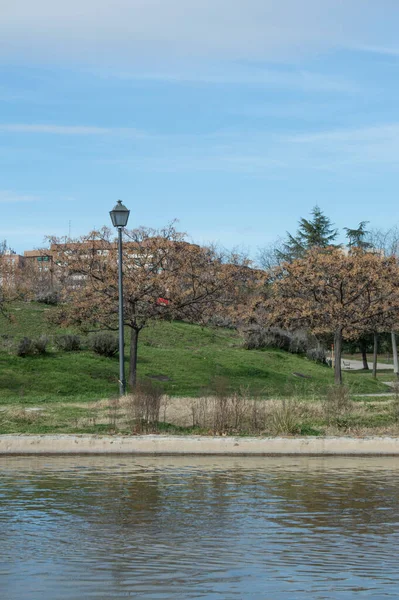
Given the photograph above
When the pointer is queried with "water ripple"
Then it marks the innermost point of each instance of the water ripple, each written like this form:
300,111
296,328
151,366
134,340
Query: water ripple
103,528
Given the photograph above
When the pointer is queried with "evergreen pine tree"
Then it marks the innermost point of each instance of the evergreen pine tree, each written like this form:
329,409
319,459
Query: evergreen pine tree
357,237
315,232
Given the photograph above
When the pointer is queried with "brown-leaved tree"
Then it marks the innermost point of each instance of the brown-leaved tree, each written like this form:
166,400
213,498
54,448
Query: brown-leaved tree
331,292
164,278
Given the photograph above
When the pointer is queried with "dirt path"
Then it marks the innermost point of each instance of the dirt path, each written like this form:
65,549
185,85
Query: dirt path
357,365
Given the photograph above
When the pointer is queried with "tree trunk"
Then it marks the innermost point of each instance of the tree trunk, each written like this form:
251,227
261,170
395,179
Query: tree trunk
337,356
364,356
134,338
395,354
375,354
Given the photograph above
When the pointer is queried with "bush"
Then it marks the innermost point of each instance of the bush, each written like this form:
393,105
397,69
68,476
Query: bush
40,345
144,406
50,297
317,354
257,338
226,414
29,347
220,321
284,418
295,342
299,343
337,405
68,343
25,347
104,344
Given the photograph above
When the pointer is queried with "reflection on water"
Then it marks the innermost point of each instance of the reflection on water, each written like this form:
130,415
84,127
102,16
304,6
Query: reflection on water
134,527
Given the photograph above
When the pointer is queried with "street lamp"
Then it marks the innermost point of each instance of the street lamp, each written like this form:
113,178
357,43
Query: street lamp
119,217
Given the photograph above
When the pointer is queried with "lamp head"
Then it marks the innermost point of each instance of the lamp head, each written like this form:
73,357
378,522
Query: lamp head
119,215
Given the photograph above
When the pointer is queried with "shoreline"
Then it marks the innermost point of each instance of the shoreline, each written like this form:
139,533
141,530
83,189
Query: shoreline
164,445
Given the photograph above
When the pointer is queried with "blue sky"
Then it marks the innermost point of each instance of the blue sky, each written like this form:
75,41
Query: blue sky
234,117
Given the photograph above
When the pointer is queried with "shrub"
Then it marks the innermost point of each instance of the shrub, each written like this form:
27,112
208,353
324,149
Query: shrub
296,342
114,410
25,347
50,297
68,343
222,413
257,337
40,345
317,354
242,410
337,405
144,406
199,408
29,347
284,418
104,343
220,321
299,343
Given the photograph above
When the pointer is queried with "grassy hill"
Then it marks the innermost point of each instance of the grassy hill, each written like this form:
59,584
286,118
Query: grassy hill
186,360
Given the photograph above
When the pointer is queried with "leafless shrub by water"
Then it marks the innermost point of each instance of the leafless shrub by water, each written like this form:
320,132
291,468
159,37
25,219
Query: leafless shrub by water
221,411
284,418
94,414
337,405
232,412
143,407
240,408
229,414
200,412
236,413
259,415
113,412
165,402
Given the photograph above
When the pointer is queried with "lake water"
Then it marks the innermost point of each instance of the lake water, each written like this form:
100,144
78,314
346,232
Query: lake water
184,528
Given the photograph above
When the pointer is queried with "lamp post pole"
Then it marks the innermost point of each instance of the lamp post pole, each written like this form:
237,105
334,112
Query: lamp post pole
122,380
119,218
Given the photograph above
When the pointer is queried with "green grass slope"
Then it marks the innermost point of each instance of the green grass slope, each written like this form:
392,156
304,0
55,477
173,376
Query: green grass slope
186,359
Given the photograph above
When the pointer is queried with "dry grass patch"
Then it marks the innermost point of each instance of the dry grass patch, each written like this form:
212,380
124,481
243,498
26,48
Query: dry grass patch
21,415
223,413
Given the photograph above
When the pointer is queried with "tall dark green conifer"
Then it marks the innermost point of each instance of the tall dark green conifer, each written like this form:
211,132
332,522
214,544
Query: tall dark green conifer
315,232
357,237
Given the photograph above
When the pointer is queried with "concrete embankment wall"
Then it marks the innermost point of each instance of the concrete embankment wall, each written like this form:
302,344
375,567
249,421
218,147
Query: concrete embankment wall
195,445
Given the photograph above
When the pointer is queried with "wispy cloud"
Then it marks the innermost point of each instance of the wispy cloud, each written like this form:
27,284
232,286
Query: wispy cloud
244,75
10,197
68,129
372,147
273,154
385,50
306,109
217,162
358,135
138,31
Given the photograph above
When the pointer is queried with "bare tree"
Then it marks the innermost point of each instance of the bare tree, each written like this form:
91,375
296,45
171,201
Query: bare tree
385,240
269,257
